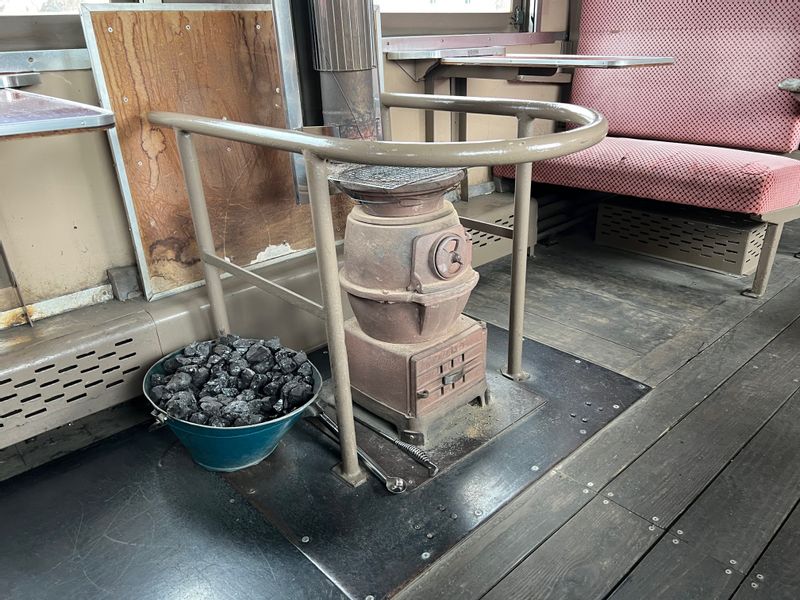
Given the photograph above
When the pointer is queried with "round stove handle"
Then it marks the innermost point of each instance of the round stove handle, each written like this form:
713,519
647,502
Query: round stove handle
446,256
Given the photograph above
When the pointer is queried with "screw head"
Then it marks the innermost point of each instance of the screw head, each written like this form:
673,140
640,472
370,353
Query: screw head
454,516
584,420
733,562
425,555
610,494
652,527
655,519
305,539
754,585
588,403
760,577
442,507
582,432
417,526
577,362
585,490
188,27
679,532
535,468
258,25
728,571
478,513
110,30
429,536
616,406
605,501
369,597
675,541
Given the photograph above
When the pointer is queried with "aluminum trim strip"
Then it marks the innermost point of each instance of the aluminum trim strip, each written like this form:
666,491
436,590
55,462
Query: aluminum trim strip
559,60
469,40
76,59
96,118
18,80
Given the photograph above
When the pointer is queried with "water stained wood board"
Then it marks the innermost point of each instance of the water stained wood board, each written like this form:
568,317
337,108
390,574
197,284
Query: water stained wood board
212,61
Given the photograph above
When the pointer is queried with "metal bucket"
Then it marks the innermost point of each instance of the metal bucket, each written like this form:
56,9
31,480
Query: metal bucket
227,448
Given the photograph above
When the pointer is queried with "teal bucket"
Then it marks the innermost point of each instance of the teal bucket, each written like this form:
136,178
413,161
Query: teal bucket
227,448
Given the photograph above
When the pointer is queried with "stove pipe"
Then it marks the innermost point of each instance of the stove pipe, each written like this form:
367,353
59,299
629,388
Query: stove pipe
345,56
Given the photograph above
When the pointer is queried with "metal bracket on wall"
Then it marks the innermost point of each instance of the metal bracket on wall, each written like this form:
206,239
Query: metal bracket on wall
75,59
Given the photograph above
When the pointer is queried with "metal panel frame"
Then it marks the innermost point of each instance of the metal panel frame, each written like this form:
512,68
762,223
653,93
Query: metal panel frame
280,10
24,61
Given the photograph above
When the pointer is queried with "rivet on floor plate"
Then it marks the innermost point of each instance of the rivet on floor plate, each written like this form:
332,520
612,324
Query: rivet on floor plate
600,408
418,526
370,597
582,432
754,585
652,528
588,403
760,577
610,494
442,507
616,406
675,541
573,415
232,500
728,571
429,536
251,491
641,386
535,468
585,490
590,484
478,513
584,420
655,519
733,562
605,501
577,362
425,555
679,532
305,539
454,516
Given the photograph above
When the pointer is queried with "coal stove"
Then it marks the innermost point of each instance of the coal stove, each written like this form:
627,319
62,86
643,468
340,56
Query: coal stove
414,358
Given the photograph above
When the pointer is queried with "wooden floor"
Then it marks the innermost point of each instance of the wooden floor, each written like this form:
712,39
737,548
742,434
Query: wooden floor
692,492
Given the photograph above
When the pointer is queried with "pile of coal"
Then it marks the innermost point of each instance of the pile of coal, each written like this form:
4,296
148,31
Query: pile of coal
233,381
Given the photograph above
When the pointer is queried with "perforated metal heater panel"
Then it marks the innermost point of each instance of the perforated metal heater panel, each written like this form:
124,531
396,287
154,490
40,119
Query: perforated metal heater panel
56,381
702,238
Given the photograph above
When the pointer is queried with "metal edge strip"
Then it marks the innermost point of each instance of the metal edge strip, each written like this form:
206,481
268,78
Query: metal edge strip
24,61
158,7
18,80
116,149
282,18
469,40
63,124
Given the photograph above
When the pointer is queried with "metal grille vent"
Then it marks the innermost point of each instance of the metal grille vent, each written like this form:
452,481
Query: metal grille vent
74,382
716,241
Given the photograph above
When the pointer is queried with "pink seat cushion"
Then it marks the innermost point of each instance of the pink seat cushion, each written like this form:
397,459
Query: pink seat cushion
709,176
722,90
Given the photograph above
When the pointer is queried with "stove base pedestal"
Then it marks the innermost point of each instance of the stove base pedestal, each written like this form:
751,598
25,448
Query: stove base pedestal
413,386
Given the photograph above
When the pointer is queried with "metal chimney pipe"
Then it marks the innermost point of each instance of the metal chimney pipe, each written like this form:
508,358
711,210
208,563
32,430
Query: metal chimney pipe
345,56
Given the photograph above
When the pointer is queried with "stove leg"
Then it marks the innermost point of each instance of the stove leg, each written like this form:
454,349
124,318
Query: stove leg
327,261
519,260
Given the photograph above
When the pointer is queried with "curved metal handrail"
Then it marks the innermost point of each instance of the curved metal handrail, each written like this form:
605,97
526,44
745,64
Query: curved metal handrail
522,151
592,128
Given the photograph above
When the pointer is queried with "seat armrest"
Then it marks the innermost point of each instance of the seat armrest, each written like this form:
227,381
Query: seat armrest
792,86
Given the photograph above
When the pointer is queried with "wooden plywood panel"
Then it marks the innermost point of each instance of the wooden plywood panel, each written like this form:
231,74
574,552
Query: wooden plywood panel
215,63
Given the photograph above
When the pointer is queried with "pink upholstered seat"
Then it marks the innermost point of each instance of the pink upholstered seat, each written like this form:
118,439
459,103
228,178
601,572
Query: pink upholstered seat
709,176
722,91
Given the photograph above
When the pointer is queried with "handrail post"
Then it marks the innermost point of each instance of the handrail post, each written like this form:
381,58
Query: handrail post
519,258
328,264
202,230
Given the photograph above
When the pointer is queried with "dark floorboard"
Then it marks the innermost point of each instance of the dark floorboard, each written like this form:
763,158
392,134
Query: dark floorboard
134,518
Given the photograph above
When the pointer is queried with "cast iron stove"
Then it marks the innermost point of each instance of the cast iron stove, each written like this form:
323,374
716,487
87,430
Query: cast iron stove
414,358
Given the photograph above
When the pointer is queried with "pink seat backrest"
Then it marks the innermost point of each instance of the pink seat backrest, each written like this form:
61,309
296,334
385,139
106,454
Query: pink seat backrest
730,56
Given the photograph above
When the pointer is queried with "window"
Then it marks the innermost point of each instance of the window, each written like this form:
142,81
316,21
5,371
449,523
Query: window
38,7
444,6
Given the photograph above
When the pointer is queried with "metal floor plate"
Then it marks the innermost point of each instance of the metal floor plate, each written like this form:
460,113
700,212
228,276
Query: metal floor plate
372,543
